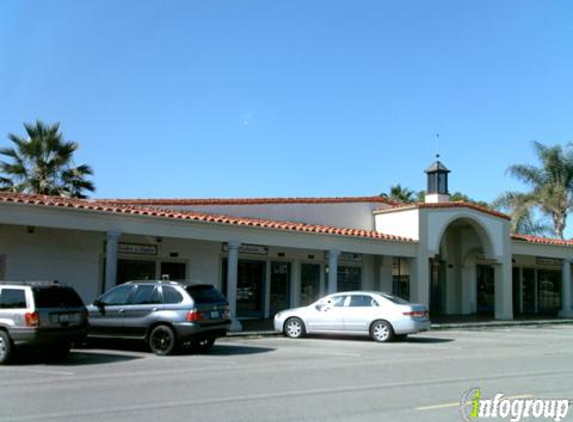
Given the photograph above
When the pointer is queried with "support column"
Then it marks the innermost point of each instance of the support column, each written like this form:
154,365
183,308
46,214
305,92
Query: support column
333,271
232,275
386,275
503,290
420,280
111,247
295,284
566,311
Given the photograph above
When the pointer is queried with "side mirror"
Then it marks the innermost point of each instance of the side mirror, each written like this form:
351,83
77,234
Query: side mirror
100,305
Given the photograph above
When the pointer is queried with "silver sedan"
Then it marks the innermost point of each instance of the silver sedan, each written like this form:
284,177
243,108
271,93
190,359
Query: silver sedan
379,315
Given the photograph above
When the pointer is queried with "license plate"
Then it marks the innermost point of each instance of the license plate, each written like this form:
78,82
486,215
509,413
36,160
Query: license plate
68,317
214,314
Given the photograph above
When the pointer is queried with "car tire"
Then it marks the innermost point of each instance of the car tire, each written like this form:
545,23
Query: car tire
381,331
162,340
203,345
294,328
6,347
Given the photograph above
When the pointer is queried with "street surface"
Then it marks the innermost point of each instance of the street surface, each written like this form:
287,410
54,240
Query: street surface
278,379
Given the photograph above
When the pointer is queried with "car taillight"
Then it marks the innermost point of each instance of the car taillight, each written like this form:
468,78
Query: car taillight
415,314
193,316
32,319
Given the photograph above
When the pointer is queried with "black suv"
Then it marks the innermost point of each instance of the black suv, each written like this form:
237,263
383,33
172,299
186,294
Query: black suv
164,314
37,313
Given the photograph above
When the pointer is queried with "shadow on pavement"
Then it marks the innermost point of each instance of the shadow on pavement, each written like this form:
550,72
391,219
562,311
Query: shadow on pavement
364,339
75,358
426,340
229,350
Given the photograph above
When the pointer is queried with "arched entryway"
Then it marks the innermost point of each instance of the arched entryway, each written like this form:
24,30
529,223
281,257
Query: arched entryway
462,273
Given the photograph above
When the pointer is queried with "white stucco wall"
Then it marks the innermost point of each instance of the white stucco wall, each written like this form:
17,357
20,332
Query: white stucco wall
356,215
404,223
69,256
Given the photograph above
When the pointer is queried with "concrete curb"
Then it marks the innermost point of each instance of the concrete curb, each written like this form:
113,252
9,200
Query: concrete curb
435,327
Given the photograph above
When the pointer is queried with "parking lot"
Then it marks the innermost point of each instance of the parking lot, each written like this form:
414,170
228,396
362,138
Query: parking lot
278,379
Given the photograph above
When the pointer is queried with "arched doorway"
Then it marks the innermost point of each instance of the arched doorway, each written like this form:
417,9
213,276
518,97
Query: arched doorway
461,273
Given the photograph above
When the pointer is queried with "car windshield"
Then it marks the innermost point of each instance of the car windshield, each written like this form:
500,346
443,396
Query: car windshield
205,294
56,297
395,299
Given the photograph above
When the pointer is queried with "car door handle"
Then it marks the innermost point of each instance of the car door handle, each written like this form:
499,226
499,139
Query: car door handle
121,311
154,309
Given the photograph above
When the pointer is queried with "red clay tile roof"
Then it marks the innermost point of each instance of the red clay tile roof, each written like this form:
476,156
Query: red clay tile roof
96,205
542,240
248,201
456,204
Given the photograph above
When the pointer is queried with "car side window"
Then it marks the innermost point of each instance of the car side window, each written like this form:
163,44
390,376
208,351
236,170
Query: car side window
118,296
362,301
146,294
337,301
171,295
13,299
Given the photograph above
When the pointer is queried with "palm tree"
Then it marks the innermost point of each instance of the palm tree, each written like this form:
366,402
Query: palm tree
42,163
521,208
551,184
400,194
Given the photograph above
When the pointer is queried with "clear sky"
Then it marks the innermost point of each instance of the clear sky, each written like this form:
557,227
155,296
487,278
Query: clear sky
289,98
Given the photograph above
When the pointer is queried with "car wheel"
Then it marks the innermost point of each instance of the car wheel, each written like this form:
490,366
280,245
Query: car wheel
294,328
162,340
5,347
203,345
381,331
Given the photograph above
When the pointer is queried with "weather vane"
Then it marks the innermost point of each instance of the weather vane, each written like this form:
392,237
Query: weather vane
438,146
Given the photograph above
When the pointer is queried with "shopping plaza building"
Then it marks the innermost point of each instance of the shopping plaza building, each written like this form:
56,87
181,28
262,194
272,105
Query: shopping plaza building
271,254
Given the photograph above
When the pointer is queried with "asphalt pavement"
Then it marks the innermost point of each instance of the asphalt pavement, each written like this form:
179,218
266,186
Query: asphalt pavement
277,379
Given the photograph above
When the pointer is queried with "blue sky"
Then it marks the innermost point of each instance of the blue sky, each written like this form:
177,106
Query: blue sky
290,98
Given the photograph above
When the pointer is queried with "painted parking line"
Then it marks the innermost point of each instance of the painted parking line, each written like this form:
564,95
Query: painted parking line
457,404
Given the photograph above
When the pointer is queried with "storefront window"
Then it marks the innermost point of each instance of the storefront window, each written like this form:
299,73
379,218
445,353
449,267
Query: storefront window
309,283
250,287
400,280
349,278
548,291
128,270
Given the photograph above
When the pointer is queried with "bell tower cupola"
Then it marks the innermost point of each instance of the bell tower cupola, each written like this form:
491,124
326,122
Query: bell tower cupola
437,191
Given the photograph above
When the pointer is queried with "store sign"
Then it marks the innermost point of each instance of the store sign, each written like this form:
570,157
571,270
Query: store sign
137,249
347,256
548,261
249,249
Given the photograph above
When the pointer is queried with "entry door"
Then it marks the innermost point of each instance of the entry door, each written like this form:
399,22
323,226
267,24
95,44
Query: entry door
280,287
485,289
437,286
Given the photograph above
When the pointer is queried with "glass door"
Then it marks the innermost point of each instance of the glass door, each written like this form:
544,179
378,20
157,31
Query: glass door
437,288
280,287
485,289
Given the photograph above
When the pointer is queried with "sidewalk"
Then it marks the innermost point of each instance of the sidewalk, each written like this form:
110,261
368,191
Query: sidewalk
264,327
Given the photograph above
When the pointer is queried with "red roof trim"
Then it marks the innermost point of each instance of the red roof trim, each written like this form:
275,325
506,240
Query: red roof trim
95,205
542,240
456,204
247,201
